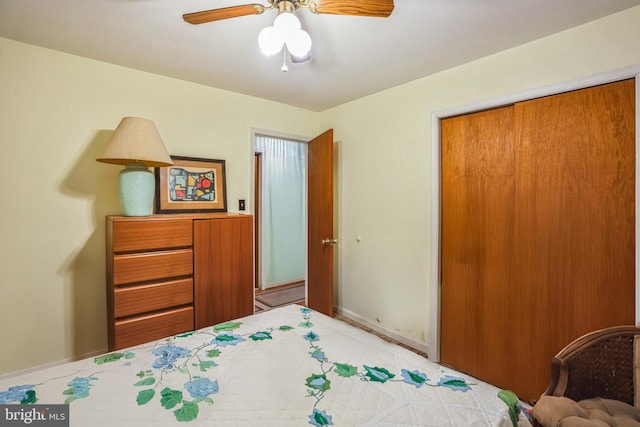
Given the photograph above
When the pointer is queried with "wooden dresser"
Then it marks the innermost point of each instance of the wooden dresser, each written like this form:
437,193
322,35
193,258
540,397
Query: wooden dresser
168,274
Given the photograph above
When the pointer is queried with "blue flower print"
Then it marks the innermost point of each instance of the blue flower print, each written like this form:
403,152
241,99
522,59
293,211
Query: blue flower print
201,387
81,385
312,336
261,336
376,374
169,354
454,383
320,418
226,339
78,388
415,378
15,394
318,355
318,382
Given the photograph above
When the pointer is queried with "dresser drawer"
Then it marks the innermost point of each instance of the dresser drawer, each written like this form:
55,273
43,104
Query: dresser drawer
132,236
151,327
148,266
131,300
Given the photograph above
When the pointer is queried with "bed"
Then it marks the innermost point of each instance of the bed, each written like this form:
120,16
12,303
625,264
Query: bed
289,366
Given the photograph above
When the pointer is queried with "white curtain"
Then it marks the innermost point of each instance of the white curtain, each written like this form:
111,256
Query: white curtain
283,210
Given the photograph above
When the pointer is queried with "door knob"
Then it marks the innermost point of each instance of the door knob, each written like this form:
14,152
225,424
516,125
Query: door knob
328,242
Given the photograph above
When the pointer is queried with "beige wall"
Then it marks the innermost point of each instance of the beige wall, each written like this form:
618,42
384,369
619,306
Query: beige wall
385,163
57,112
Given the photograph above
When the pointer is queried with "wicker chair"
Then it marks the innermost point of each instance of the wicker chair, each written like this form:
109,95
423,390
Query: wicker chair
599,365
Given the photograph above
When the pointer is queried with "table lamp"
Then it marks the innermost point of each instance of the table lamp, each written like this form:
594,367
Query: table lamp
137,145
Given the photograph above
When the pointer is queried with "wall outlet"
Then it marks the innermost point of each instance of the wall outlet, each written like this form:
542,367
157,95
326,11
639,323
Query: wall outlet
241,205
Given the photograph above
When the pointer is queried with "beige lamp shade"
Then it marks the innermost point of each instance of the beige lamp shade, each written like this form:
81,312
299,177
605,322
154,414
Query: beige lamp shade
136,140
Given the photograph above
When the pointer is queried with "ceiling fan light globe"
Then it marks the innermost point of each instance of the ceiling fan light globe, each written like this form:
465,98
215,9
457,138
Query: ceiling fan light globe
287,24
270,41
300,44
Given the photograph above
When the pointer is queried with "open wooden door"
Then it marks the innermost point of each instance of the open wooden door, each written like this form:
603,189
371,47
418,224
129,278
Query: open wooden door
320,239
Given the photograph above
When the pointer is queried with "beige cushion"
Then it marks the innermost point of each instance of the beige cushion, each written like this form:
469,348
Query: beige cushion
551,411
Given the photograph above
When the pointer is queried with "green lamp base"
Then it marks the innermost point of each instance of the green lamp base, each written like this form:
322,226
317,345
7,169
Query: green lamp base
137,188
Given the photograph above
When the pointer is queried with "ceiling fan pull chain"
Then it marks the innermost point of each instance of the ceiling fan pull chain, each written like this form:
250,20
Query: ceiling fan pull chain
284,60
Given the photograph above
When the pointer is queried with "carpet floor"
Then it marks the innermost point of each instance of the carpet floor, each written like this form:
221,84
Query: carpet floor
266,300
381,335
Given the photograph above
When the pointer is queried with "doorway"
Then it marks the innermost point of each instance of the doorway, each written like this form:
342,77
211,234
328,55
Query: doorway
318,219
280,220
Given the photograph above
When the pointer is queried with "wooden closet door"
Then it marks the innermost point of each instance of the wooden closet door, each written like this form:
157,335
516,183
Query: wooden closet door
478,187
575,222
568,233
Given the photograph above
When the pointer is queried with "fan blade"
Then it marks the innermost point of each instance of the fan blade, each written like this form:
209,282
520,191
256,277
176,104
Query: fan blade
223,13
375,8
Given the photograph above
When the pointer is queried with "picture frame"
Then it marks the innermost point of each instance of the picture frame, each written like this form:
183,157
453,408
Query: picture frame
191,184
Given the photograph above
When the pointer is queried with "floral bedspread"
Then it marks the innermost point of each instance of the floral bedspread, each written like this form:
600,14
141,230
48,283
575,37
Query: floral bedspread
285,367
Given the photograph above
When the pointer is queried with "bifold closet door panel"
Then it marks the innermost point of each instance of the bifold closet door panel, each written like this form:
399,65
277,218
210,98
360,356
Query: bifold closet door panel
478,186
575,227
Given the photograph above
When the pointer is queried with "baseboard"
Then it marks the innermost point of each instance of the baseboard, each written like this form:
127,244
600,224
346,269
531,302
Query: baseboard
50,365
347,313
381,329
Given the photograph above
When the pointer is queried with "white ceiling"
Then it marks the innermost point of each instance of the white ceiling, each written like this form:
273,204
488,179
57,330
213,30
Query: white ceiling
352,56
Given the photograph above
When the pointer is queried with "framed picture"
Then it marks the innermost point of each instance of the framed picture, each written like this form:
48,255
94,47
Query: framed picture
191,184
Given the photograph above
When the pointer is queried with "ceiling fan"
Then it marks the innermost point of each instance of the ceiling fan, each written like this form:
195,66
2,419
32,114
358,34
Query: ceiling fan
286,32
375,8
